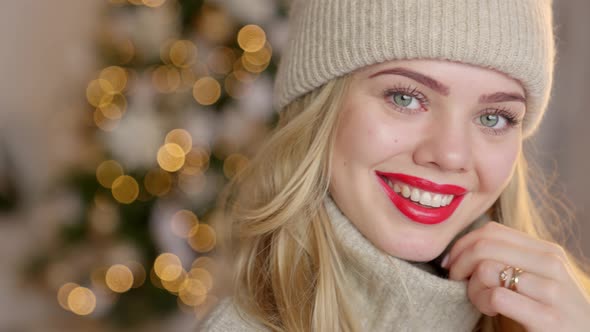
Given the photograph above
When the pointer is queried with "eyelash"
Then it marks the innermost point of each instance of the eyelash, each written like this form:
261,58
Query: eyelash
406,90
511,118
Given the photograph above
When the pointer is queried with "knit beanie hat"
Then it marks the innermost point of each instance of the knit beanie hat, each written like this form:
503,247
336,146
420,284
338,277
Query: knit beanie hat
330,38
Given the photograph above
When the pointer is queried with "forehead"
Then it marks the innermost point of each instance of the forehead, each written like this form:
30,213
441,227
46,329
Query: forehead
457,77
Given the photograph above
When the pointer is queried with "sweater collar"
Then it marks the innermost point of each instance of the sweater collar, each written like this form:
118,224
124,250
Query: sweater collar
396,295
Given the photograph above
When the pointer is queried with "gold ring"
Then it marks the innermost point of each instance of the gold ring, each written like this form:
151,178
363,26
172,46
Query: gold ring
514,280
504,275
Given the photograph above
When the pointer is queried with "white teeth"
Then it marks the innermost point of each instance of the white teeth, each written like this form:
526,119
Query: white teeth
425,199
447,200
415,195
406,192
436,200
421,196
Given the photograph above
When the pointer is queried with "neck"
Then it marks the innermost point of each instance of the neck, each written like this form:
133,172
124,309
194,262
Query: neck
394,294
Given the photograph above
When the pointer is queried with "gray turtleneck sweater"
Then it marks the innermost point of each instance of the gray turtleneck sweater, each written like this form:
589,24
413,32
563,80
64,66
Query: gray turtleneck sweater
392,294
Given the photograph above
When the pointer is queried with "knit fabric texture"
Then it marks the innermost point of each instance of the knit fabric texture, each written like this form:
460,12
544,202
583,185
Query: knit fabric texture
388,293
331,38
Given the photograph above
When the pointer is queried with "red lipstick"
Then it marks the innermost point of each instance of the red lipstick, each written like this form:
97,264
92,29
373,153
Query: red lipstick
414,211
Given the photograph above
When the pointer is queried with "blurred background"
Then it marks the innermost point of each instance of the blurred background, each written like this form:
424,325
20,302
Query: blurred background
121,121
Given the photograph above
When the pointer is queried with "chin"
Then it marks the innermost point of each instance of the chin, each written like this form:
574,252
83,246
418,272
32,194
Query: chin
416,252
425,257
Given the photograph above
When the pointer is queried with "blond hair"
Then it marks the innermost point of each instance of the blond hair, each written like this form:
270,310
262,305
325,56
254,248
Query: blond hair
288,265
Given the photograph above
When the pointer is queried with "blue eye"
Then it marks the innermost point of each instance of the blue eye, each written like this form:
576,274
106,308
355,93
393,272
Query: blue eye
498,121
406,101
490,120
405,98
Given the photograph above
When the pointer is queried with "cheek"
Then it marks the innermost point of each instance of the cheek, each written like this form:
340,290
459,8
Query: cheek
497,166
365,136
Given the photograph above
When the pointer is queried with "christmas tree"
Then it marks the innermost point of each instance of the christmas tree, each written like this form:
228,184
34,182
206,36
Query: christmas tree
180,104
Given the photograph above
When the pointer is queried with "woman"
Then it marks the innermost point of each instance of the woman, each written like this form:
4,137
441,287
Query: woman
393,195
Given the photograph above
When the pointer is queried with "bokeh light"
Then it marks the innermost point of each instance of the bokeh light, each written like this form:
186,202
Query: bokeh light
117,78
119,278
204,239
203,275
125,189
107,172
206,91
116,108
157,182
184,223
171,157
253,68
155,280
257,62
251,38
99,92
242,74
165,51
63,293
193,292
180,137
110,112
174,286
260,57
103,122
81,301
183,53
168,267
196,161
204,262
206,56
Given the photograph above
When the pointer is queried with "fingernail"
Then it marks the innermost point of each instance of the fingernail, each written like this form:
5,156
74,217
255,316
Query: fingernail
445,261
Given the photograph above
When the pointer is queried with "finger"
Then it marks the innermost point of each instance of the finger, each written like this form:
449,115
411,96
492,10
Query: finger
546,265
496,231
546,291
475,288
532,315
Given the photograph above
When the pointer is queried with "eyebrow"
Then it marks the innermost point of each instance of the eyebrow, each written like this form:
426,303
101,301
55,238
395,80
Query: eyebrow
444,90
416,76
500,97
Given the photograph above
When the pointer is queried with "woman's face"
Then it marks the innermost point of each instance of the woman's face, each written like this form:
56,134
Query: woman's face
444,134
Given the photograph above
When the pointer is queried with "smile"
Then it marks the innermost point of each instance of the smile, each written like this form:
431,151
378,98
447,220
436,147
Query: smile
420,200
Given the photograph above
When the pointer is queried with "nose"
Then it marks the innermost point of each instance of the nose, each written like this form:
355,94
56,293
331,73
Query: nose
447,145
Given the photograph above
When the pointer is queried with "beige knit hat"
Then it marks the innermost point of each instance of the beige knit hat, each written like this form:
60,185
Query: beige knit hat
330,38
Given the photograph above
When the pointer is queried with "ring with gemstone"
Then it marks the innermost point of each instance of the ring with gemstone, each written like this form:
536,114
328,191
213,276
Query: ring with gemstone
504,275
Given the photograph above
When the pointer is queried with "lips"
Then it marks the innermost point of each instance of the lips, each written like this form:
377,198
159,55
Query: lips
414,211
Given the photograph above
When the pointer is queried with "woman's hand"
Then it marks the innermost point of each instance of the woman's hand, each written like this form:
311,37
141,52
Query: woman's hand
548,296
